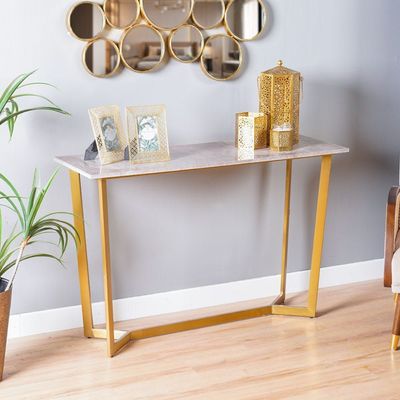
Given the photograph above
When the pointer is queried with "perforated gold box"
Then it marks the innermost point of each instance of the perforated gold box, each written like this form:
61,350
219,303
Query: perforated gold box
281,139
279,96
257,123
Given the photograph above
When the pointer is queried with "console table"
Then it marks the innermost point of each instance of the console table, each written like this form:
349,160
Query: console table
188,158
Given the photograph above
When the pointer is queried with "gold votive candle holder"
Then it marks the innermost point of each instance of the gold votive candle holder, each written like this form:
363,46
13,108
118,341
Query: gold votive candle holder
244,137
257,122
281,138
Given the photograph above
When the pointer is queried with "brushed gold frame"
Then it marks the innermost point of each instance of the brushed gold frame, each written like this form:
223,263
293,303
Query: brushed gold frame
68,20
151,23
203,68
220,21
228,29
117,339
114,71
162,56
159,111
122,27
171,50
107,157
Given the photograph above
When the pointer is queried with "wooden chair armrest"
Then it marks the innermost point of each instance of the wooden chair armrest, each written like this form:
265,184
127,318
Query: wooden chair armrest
391,237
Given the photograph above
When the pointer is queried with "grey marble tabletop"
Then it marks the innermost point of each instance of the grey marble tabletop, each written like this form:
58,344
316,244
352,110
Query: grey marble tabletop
197,156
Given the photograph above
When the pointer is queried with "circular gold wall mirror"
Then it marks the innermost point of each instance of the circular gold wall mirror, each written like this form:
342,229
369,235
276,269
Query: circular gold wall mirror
221,58
142,48
245,19
208,14
166,14
121,14
86,20
101,58
186,43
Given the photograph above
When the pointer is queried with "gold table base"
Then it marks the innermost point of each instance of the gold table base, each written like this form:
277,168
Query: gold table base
117,339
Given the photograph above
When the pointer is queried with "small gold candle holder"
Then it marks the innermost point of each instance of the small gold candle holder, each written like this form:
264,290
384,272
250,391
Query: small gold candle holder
281,138
245,137
258,124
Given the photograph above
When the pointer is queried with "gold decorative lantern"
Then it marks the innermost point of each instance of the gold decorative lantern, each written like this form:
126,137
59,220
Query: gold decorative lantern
258,123
279,96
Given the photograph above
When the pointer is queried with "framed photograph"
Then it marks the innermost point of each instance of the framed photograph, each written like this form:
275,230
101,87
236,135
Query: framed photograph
147,133
108,134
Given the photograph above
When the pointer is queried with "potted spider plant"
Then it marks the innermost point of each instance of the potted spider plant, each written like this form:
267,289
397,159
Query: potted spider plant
18,246
30,228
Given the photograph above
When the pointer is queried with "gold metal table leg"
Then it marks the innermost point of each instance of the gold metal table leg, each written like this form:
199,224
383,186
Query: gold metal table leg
319,229
286,217
117,339
395,342
77,206
113,346
322,202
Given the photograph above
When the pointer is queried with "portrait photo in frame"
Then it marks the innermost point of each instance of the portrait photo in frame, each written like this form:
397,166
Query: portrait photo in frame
147,133
108,134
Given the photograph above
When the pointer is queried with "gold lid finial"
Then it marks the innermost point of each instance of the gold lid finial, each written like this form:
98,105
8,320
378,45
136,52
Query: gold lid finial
279,63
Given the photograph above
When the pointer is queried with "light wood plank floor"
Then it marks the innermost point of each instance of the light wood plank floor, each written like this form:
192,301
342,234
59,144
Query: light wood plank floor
342,354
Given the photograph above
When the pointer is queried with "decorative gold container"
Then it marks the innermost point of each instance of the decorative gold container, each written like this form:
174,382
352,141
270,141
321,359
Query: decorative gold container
5,302
279,96
258,123
281,138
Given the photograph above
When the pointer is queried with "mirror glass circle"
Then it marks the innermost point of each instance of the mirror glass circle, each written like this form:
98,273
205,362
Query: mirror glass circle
166,14
86,20
221,58
101,58
208,14
121,14
245,19
142,48
186,43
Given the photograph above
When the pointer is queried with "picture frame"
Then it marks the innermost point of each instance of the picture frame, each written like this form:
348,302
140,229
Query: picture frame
108,133
147,134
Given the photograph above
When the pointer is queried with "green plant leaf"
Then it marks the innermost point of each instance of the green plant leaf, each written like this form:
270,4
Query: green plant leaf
30,256
1,228
12,121
38,83
4,260
35,95
6,206
5,252
11,88
63,228
16,193
55,213
54,109
35,186
63,232
14,208
38,202
56,221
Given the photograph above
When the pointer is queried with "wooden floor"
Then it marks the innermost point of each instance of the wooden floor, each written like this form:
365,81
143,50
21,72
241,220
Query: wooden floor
342,354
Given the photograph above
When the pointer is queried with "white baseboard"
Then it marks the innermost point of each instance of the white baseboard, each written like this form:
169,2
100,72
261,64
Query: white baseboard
190,299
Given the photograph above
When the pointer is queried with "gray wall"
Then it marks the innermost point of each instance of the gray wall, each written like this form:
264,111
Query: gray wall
180,231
